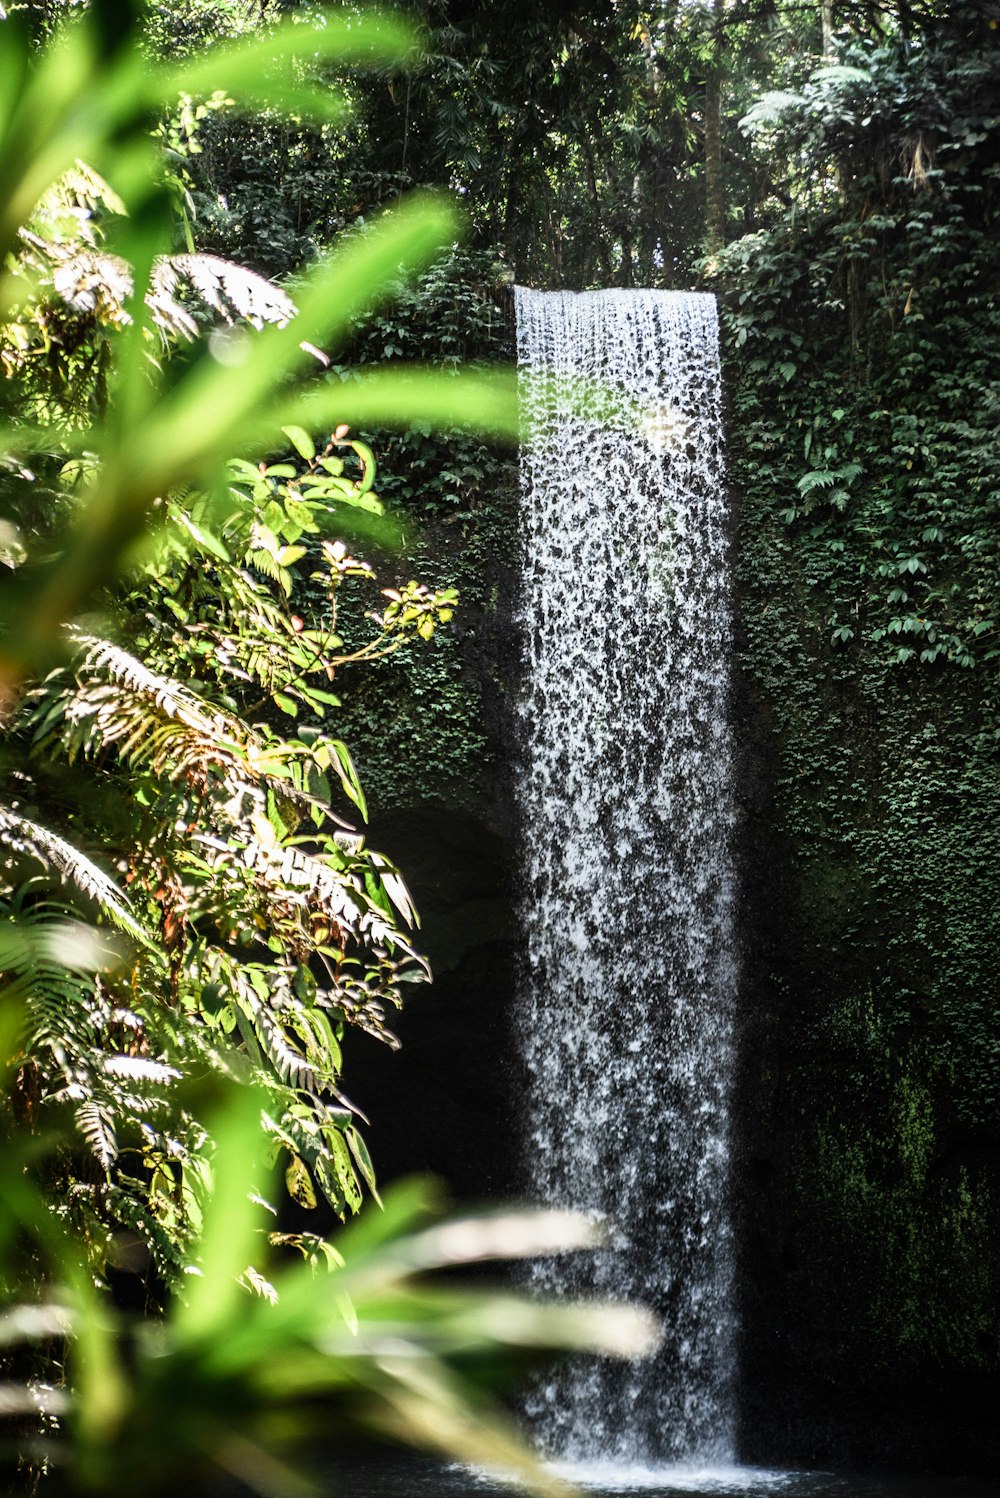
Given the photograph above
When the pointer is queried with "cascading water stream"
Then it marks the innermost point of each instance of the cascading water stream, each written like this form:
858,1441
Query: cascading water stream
627,989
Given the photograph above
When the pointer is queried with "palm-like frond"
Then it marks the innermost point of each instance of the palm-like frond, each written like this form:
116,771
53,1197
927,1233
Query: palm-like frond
97,1126
93,282
331,917
84,1053
114,701
24,839
227,289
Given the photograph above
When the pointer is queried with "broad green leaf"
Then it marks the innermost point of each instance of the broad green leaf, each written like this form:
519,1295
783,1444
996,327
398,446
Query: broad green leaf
335,1173
230,1237
367,457
250,69
364,1161
101,1384
301,441
219,408
407,1205
344,766
486,401
299,1183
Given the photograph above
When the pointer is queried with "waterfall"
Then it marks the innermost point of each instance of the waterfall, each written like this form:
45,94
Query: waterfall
625,1003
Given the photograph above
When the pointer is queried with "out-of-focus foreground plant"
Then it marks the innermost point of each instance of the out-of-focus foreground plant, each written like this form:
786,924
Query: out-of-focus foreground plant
362,1342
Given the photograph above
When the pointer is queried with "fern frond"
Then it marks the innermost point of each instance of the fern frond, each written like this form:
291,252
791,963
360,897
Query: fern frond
253,1280
114,701
91,281
289,1063
139,1068
229,290
97,1126
104,659
154,722
309,878
54,1004
25,839
127,1204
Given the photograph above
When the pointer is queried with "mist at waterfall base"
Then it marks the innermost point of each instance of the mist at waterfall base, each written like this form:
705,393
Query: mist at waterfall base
626,992
415,1477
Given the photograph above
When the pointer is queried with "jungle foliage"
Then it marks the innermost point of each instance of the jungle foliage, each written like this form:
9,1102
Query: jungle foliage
186,902
861,334
592,141
253,908
830,170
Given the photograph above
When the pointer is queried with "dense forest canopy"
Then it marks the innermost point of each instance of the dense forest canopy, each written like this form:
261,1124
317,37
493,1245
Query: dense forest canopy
588,143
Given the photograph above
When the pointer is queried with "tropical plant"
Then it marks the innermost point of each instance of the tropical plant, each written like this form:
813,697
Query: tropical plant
861,337
256,926
256,910
245,924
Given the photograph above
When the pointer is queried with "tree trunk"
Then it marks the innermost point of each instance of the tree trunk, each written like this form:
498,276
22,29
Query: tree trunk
595,196
715,202
826,13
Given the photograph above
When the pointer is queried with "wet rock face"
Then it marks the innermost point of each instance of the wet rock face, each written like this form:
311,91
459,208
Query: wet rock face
823,1380
829,1373
867,1218
442,1103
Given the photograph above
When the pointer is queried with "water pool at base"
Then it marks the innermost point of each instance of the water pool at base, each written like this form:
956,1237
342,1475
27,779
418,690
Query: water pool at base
409,1477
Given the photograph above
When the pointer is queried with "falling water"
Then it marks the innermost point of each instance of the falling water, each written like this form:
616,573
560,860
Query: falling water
626,994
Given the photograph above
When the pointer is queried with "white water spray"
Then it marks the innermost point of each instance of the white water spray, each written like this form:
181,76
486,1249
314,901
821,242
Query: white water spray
627,988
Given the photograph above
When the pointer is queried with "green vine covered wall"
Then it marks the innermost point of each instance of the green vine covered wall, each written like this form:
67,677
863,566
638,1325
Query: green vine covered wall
860,349
456,496
861,357
860,341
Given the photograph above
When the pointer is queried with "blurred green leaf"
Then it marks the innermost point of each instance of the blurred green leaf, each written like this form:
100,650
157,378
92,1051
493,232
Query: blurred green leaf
230,1236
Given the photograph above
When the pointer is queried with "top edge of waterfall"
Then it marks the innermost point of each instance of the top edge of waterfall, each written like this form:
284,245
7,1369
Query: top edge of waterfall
616,293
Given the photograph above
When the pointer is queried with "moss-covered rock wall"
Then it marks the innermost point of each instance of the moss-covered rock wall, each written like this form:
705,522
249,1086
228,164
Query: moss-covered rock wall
864,463
429,728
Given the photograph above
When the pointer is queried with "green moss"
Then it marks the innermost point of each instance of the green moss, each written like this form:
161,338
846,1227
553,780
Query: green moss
415,723
909,1243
